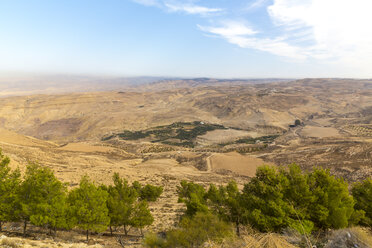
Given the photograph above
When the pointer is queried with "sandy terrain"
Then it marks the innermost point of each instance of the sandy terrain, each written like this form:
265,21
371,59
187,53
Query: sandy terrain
240,164
319,132
223,136
84,147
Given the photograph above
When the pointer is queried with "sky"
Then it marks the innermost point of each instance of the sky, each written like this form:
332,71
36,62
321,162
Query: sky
188,38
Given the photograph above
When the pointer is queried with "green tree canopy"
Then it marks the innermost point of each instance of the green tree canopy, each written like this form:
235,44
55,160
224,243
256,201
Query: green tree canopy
362,193
194,196
263,199
42,198
121,200
88,207
141,216
333,206
9,186
150,192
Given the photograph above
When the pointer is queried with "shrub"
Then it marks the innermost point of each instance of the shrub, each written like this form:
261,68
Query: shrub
150,193
194,232
362,193
152,240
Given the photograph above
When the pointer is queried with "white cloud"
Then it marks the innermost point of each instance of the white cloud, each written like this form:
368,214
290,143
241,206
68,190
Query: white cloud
191,9
256,4
180,6
229,29
331,31
339,29
240,34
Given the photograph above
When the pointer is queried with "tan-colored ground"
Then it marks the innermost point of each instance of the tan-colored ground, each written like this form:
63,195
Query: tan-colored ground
224,136
65,131
84,147
245,165
320,132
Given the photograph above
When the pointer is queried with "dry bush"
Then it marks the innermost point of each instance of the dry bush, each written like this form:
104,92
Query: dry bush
350,238
270,240
11,243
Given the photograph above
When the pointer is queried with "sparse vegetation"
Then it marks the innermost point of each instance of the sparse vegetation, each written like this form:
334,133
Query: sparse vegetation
193,232
176,134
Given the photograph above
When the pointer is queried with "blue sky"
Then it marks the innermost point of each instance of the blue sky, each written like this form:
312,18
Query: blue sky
188,38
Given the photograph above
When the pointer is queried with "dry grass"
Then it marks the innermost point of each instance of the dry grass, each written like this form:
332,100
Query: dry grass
269,240
10,242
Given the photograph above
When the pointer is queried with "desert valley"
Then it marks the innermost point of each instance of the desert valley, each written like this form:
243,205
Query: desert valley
201,130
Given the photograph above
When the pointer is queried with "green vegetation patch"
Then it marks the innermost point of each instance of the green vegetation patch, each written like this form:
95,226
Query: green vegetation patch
263,139
176,134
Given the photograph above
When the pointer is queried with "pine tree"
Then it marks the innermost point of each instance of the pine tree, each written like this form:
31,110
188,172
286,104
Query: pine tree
42,198
333,206
150,192
227,203
194,196
263,200
121,203
87,207
9,186
141,216
298,194
362,193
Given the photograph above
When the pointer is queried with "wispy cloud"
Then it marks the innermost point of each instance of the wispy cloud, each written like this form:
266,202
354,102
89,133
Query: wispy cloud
244,36
191,9
256,4
330,31
336,29
180,6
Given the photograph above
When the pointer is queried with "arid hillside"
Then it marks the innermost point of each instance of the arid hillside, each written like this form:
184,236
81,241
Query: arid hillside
253,117
207,131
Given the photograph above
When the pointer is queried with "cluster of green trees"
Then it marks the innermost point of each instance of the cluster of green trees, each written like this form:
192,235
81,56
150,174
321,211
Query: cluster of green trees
41,199
273,200
281,198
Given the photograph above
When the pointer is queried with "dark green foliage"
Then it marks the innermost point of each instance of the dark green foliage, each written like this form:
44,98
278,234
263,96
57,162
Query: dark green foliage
362,193
127,204
194,196
297,122
185,132
128,135
150,193
42,198
276,199
263,198
193,232
227,203
333,205
263,139
9,187
141,215
87,207
298,194
120,203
